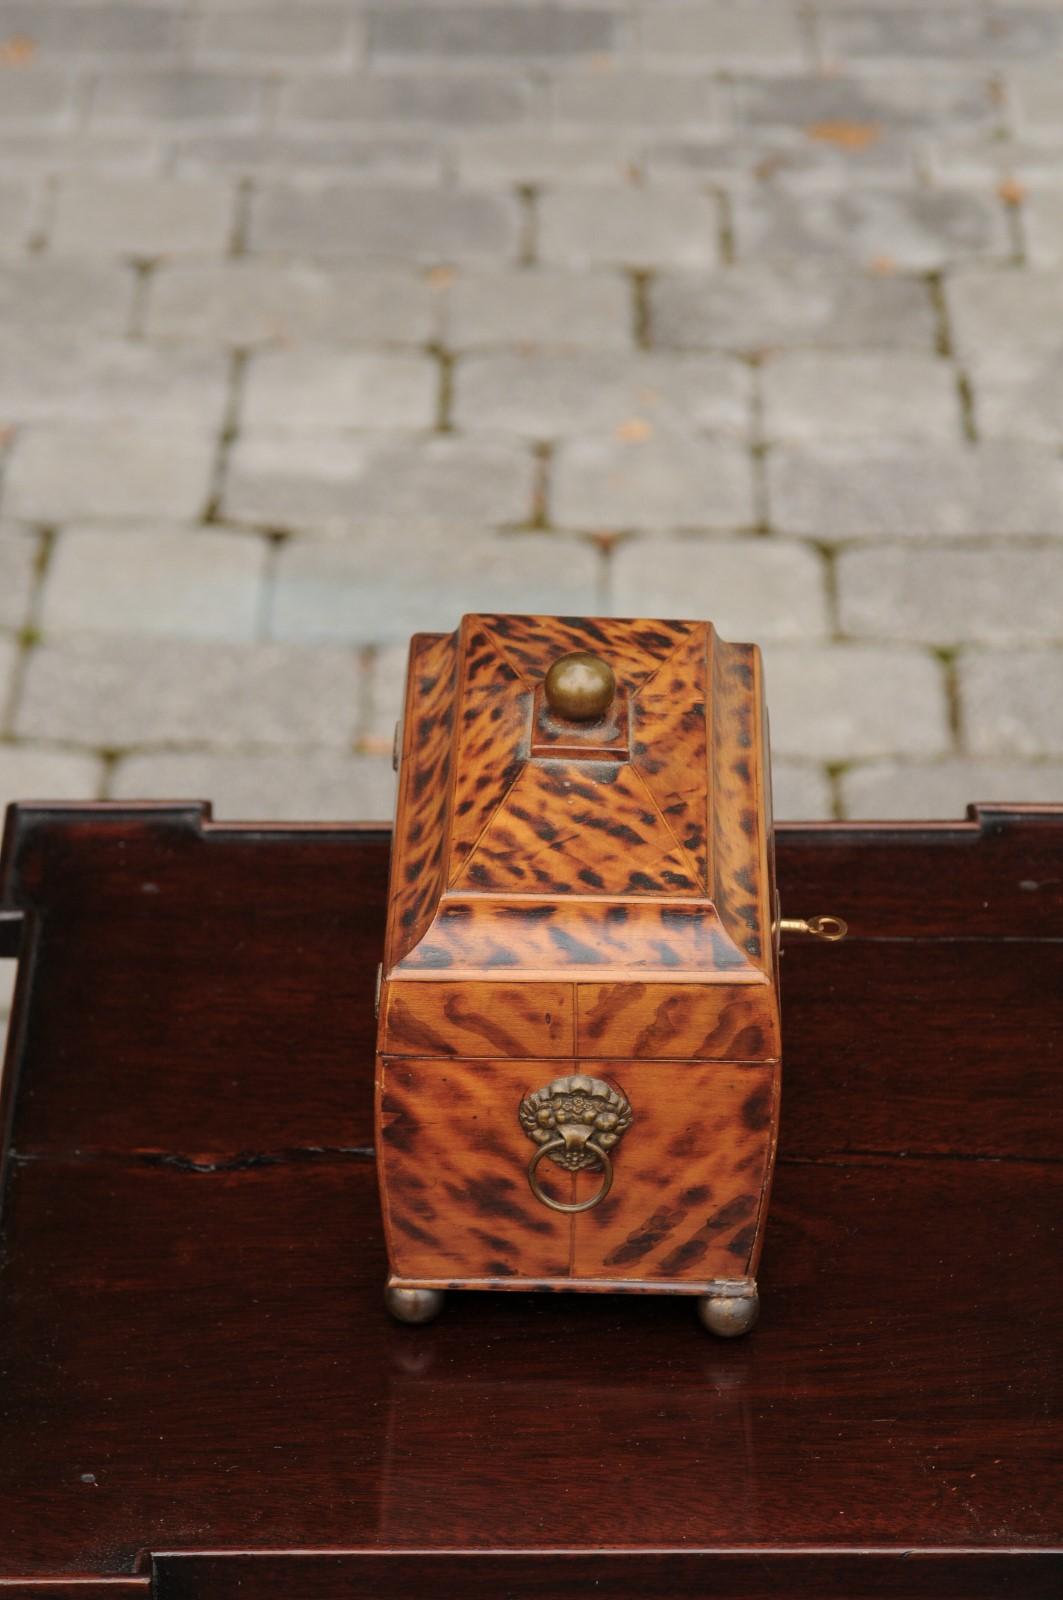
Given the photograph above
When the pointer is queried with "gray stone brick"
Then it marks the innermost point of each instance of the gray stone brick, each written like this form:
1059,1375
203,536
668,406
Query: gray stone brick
889,789
950,596
904,35
1011,702
413,224
451,100
65,151
202,583
630,227
573,310
638,99
902,100
249,302
541,154
751,588
845,702
1018,392
541,396
18,213
827,157
148,217
1043,224
336,484
19,551
361,593
94,32
763,306
630,122
177,96
314,786
986,160
51,376
37,97
918,229
52,296
325,35
1034,99
119,693
463,33
320,387
68,471
832,396
725,35
374,156
9,654
385,690
988,309
915,492
34,772
800,793
654,484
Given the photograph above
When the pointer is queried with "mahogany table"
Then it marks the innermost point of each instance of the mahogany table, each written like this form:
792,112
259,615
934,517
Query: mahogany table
201,1392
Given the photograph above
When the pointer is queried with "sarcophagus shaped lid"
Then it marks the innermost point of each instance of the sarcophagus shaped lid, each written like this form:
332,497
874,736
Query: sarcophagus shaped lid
541,831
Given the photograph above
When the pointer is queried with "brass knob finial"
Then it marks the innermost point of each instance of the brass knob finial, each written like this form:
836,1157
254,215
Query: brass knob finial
580,686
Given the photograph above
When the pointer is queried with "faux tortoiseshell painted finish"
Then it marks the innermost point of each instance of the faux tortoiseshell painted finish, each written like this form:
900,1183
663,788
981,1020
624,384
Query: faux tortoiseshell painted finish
480,1019
421,817
660,1021
485,828
690,1203
578,827
741,806
585,898
452,1159
686,1205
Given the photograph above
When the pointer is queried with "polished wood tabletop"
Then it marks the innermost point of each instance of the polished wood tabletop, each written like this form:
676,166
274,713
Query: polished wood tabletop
201,1392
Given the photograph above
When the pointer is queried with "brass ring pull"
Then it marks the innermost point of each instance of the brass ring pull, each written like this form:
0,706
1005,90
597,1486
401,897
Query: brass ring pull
575,1121
561,1205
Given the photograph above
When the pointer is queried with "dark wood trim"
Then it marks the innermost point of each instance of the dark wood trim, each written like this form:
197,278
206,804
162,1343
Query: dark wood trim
830,1572
201,1384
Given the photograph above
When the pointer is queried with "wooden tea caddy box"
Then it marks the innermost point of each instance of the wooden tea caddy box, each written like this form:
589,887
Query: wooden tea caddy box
578,1063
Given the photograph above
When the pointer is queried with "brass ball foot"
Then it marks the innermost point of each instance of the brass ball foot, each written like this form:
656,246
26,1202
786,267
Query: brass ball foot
414,1305
728,1316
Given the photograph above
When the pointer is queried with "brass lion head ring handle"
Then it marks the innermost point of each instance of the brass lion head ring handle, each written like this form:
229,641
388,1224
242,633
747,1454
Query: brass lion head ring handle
575,1121
578,1205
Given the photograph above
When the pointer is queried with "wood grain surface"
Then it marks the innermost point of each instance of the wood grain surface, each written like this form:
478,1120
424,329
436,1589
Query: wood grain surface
203,1392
